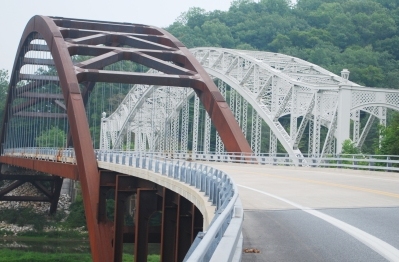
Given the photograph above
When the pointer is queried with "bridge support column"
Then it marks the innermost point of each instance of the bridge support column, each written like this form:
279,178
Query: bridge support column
56,191
168,230
146,205
184,227
181,220
125,187
343,119
107,182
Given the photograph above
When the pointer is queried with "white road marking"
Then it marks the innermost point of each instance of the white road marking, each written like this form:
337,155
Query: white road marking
379,246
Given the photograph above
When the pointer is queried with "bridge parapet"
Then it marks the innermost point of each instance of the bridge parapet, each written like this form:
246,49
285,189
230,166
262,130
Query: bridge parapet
211,190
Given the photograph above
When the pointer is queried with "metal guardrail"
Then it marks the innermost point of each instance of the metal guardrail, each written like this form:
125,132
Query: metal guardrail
364,162
215,184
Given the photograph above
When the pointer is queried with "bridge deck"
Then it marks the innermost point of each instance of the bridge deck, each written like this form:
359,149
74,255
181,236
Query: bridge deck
298,214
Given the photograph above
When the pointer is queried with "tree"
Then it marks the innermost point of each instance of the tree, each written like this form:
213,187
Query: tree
53,137
218,33
3,91
390,135
349,147
280,42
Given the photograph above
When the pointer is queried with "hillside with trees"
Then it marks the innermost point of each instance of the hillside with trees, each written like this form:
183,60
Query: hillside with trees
360,35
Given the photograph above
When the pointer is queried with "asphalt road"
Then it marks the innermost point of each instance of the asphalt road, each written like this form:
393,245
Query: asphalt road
298,214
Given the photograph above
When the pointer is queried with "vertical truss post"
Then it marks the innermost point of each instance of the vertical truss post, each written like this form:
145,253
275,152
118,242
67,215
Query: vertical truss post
143,141
128,140
175,132
195,125
382,112
238,108
275,96
172,136
343,120
150,140
232,99
153,133
136,141
168,134
219,144
356,125
317,125
256,132
146,204
332,146
162,131
184,124
311,137
140,139
272,144
294,115
207,133
114,135
169,227
244,117
168,126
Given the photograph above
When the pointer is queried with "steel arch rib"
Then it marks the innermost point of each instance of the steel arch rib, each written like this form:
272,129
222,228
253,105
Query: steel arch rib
152,47
85,158
297,73
234,83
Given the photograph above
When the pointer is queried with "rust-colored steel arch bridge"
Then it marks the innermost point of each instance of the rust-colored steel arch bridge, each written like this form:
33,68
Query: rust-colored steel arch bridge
78,54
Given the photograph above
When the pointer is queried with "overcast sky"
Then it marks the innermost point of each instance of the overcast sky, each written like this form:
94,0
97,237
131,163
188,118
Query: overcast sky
16,13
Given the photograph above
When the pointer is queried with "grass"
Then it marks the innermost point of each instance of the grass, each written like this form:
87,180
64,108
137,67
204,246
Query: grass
7,255
65,234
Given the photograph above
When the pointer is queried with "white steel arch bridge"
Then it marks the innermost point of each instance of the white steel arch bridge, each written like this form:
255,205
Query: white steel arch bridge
262,89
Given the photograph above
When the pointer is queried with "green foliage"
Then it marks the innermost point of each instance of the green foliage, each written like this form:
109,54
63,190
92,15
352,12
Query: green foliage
76,217
335,34
360,35
7,255
349,147
22,217
390,135
53,137
150,258
53,234
3,91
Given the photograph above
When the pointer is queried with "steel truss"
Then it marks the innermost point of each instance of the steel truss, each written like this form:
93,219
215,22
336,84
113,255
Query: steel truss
276,86
49,87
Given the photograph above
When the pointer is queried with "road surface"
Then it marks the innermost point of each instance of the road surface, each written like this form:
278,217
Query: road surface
303,214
